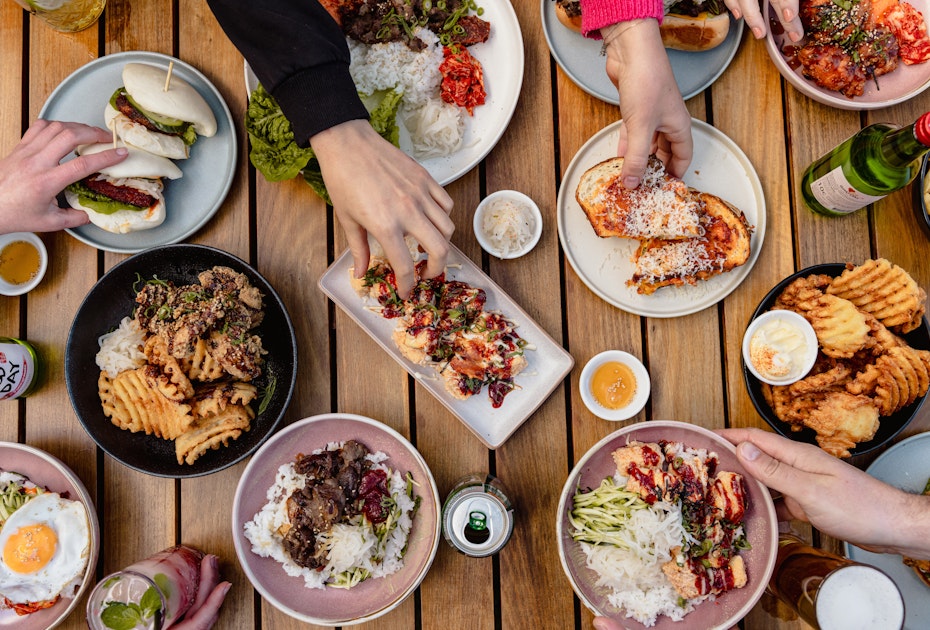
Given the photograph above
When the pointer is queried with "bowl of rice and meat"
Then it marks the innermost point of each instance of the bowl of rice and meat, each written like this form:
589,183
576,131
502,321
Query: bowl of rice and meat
181,361
659,523
336,519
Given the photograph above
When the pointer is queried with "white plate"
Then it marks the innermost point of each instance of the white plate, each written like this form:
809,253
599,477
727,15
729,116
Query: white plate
905,465
548,362
903,83
191,200
501,58
581,59
719,167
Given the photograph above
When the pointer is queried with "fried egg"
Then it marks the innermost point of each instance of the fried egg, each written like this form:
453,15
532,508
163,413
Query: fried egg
44,547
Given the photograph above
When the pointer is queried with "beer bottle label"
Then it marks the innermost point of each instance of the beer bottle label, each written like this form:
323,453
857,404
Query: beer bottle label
834,191
16,370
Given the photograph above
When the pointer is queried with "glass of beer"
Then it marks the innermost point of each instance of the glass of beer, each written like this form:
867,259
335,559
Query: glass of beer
831,592
67,16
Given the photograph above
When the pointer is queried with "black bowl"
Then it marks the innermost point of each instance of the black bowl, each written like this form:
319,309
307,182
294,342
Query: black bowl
112,299
920,199
889,426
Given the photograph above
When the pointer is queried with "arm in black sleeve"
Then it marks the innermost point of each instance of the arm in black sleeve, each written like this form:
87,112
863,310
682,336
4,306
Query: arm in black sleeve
300,55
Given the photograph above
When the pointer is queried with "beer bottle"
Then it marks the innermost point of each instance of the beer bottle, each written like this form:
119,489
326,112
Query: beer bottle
19,368
874,162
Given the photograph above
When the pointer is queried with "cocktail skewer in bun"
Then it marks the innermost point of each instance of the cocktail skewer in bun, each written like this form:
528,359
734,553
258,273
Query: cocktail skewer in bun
160,121
124,197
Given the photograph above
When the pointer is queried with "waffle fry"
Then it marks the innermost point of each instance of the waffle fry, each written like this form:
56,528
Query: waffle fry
884,290
211,432
202,365
149,410
841,328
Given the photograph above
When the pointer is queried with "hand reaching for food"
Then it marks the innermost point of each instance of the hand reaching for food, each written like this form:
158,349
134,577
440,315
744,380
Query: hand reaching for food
31,176
377,189
756,20
833,496
655,119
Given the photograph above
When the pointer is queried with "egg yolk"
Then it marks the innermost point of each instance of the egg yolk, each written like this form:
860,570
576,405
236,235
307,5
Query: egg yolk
613,385
30,548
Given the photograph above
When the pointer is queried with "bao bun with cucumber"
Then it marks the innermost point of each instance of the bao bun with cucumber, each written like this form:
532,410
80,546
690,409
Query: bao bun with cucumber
164,122
125,197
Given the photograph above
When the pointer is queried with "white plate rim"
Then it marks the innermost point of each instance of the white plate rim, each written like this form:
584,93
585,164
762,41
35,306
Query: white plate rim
504,43
98,238
702,174
826,97
602,89
245,479
548,364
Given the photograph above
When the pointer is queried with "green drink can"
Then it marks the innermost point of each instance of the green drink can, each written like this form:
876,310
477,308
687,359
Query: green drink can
477,516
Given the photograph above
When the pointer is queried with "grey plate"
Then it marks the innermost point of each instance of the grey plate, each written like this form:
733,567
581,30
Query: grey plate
905,465
191,200
580,58
548,362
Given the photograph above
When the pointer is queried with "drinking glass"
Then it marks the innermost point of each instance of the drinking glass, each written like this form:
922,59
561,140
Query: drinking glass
831,592
67,16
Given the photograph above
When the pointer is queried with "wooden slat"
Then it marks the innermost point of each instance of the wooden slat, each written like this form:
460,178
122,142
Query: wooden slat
206,502
11,111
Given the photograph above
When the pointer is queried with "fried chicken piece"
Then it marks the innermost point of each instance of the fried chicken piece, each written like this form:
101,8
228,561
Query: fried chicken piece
841,421
831,379
801,290
833,68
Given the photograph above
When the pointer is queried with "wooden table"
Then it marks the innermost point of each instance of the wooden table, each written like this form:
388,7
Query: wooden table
289,235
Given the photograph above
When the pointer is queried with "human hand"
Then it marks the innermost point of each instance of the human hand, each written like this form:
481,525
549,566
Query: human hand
376,188
786,10
31,176
655,119
211,592
834,496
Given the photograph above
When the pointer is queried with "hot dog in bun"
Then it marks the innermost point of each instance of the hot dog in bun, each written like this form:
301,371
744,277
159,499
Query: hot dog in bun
569,13
124,197
694,25
163,122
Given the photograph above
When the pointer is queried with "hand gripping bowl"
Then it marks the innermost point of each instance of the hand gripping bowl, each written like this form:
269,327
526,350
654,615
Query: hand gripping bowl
371,598
889,426
48,471
113,298
761,525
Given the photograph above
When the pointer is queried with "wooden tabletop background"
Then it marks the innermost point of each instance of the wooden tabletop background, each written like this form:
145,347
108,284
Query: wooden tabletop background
291,237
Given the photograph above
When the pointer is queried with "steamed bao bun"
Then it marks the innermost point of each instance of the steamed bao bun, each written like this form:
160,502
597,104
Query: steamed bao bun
140,170
146,85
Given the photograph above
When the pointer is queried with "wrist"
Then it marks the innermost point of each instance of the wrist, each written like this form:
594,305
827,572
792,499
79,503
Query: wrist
635,41
338,137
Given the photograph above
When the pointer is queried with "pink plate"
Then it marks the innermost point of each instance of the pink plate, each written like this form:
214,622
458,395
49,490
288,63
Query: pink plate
331,606
899,85
761,525
48,471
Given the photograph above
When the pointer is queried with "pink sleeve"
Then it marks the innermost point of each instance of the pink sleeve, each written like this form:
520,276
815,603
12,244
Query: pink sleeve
596,14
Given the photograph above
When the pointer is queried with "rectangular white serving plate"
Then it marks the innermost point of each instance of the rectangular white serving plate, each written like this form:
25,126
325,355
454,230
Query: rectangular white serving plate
547,363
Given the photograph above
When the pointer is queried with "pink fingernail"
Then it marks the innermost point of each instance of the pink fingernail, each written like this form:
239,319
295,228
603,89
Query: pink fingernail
788,15
757,32
122,151
749,451
630,182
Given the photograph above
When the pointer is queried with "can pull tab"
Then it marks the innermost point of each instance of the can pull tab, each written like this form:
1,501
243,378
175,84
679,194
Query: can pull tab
476,531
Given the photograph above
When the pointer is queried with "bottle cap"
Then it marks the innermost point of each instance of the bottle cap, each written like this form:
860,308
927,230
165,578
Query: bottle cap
922,129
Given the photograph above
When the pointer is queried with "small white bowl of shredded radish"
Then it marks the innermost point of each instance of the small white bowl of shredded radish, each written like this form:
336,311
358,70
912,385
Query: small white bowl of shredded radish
507,224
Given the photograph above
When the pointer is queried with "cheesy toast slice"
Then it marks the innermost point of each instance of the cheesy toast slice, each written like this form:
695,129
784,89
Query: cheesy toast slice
723,246
661,207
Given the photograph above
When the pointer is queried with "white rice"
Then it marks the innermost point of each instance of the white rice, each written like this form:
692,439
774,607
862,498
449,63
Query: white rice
634,576
436,128
350,546
121,349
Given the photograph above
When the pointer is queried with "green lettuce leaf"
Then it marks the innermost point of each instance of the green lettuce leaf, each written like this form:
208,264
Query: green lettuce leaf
276,155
